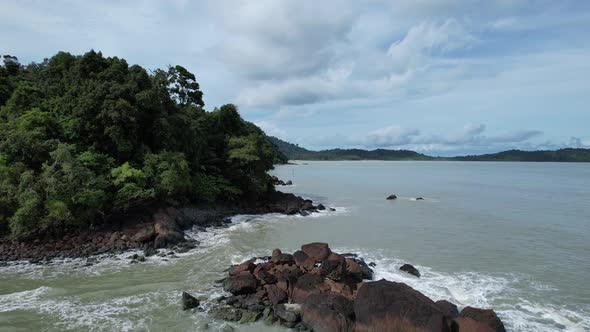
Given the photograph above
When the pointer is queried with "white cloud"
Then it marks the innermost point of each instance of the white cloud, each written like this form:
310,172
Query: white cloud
271,129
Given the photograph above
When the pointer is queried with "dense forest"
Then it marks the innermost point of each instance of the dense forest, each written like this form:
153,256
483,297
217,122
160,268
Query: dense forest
83,137
295,152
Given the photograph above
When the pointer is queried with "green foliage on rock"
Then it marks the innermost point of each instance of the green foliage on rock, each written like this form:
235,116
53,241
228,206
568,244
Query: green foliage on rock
83,137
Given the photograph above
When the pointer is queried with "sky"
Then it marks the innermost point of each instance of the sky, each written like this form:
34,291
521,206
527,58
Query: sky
442,77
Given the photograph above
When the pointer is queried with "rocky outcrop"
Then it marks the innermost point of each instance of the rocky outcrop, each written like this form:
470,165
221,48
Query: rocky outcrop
278,182
320,290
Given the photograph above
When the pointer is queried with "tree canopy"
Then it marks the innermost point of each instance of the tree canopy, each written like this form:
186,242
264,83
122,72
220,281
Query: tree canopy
85,136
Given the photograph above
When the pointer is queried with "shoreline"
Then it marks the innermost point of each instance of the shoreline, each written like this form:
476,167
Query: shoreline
154,228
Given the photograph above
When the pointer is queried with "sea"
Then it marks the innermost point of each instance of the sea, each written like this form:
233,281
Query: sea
514,237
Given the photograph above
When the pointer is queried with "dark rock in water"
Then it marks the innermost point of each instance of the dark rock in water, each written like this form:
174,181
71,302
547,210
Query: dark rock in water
328,312
168,232
317,251
390,197
321,207
289,183
419,198
304,213
485,316
410,269
282,259
448,309
390,306
334,267
241,284
189,301
332,209
372,264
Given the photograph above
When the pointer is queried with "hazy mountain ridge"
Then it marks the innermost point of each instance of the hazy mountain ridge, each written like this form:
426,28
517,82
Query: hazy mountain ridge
295,152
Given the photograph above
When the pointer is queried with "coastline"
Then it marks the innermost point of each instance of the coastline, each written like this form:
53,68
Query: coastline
152,228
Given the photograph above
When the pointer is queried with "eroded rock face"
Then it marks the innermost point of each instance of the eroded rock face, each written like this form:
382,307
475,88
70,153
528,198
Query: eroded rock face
448,309
390,306
485,316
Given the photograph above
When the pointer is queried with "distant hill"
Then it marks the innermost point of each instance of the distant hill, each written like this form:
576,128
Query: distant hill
295,152
562,155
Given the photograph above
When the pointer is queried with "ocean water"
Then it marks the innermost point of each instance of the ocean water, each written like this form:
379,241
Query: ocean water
514,237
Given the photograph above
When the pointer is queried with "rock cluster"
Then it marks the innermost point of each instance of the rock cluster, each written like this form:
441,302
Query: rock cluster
319,290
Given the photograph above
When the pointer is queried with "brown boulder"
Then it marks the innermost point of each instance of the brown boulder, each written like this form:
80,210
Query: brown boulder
261,272
243,283
275,294
390,306
317,251
448,309
334,267
327,312
307,285
302,260
245,266
167,230
466,324
358,269
485,316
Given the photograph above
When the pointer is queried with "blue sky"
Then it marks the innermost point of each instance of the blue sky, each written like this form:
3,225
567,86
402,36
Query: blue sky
443,77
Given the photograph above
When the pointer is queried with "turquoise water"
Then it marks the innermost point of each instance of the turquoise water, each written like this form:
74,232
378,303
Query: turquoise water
510,236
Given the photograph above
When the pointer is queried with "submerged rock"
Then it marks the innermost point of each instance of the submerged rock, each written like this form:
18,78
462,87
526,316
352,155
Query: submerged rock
391,197
410,269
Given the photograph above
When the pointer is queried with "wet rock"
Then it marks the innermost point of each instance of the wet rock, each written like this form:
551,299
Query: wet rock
328,312
261,272
410,269
321,207
448,309
332,209
189,301
334,267
288,183
268,316
149,251
389,306
241,284
485,316
317,251
279,258
391,197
